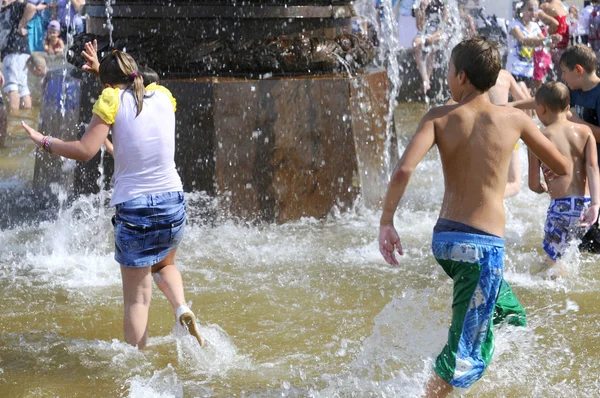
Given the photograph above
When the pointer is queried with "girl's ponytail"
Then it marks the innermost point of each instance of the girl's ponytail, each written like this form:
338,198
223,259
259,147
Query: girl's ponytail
120,68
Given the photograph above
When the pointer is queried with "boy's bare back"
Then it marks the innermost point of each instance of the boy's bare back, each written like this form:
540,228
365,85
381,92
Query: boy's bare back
572,140
476,140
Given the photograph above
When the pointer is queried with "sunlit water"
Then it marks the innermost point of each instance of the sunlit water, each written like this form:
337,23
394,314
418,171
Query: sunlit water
308,308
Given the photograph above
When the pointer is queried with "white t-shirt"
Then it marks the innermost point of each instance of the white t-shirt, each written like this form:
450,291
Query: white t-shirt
520,58
144,146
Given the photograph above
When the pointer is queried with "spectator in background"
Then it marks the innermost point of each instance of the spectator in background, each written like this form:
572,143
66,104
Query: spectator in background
431,16
524,35
14,17
68,17
467,23
584,20
53,44
36,28
574,28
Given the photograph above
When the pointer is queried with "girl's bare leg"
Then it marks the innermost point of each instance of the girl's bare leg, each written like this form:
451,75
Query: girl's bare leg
137,292
168,279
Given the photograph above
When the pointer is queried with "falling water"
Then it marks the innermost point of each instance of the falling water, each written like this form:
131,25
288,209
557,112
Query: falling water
109,26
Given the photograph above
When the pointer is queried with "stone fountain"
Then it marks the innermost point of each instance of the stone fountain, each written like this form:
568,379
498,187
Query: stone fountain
280,112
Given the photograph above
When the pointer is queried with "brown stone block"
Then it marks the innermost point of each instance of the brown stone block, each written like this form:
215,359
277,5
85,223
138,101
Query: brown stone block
314,153
237,132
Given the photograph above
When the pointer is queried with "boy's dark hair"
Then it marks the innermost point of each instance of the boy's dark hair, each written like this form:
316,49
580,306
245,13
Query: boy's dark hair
579,55
554,96
479,59
149,75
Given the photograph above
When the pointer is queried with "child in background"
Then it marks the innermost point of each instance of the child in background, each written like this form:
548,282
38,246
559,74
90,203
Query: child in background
53,44
570,213
554,14
524,34
37,65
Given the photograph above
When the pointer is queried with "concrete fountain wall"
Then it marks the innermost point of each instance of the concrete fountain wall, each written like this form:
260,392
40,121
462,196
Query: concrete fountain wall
276,132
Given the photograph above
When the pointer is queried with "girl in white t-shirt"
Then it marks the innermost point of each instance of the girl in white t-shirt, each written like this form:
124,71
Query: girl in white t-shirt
524,35
148,195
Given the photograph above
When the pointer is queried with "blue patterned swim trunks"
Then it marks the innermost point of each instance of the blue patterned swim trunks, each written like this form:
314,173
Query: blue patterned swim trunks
563,225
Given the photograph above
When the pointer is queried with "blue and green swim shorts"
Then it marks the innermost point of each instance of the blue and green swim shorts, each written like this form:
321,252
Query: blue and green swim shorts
481,298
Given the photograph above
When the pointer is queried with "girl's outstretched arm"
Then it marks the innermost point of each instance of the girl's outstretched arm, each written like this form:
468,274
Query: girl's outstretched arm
83,149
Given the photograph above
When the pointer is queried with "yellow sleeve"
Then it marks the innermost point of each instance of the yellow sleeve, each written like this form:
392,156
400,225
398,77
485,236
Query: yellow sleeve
163,89
516,146
107,105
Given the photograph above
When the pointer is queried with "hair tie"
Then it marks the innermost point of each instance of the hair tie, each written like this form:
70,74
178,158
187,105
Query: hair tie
114,51
133,76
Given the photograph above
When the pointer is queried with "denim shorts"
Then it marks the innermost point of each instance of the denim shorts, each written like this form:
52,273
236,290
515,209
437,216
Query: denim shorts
148,227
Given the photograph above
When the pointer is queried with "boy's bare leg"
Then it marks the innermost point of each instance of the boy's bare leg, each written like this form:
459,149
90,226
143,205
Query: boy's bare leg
421,63
430,62
3,127
437,387
14,101
26,102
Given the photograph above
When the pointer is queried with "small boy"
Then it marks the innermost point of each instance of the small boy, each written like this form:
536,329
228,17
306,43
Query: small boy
570,213
36,64
53,44
475,139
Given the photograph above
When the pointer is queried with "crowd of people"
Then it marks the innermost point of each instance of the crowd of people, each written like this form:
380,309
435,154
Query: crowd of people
30,31
536,35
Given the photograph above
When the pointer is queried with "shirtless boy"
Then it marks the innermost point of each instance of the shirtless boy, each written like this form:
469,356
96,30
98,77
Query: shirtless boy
475,139
571,213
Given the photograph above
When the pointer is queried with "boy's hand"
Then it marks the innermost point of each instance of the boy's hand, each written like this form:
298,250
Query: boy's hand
388,240
590,216
549,174
91,56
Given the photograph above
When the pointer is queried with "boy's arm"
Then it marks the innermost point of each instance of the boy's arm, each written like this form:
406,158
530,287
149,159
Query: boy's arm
551,22
517,91
109,146
28,13
534,180
542,147
528,103
513,184
420,144
591,167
